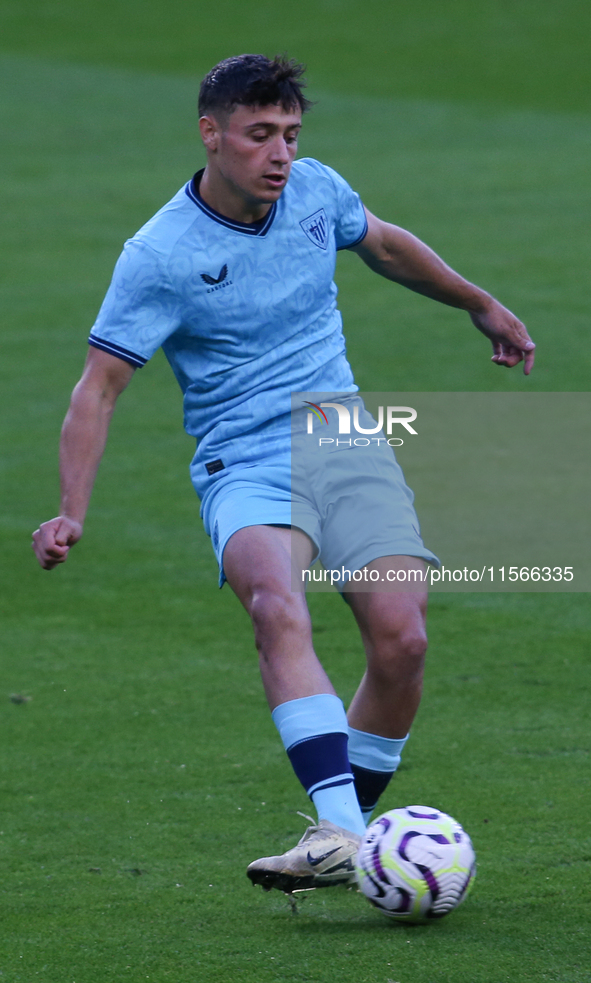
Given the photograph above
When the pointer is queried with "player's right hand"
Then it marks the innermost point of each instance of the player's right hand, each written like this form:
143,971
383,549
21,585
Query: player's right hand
53,539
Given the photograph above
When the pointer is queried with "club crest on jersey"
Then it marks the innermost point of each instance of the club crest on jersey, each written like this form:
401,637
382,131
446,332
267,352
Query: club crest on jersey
216,283
316,228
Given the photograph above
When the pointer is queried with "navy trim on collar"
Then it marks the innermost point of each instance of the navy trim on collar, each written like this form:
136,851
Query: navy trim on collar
259,228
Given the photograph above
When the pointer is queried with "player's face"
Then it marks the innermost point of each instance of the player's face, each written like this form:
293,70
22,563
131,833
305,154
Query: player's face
253,150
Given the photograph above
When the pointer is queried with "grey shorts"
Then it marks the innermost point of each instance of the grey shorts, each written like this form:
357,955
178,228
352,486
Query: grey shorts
352,502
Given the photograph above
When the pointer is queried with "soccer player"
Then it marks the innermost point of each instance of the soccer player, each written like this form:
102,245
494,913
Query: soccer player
233,278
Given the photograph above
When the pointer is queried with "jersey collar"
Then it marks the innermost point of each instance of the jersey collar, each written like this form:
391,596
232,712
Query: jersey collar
259,228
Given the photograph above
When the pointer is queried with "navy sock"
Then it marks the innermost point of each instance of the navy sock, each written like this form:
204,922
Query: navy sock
374,759
315,735
369,786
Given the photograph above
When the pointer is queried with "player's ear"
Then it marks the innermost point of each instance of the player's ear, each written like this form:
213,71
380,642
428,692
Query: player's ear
210,130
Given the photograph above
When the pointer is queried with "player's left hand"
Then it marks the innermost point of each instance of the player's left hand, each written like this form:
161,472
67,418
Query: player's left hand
52,540
510,341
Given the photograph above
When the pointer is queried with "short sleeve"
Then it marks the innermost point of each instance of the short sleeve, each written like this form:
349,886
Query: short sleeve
351,225
140,310
351,221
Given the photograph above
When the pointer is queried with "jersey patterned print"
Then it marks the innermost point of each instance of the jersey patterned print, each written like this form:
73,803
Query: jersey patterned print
245,314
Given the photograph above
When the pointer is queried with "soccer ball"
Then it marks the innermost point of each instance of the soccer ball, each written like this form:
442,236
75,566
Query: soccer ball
415,864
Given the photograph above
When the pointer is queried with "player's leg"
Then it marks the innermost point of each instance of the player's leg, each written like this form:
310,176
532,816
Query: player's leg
369,521
258,564
392,627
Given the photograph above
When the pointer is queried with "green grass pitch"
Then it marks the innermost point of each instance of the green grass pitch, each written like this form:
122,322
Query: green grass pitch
144,772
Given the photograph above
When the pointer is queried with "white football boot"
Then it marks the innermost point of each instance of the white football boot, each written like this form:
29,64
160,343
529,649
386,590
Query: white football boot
325,856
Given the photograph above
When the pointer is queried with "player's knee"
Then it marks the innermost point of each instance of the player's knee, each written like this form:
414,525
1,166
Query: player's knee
399,650
274,615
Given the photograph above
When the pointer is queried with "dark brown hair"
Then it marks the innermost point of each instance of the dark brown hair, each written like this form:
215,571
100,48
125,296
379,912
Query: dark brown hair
253,80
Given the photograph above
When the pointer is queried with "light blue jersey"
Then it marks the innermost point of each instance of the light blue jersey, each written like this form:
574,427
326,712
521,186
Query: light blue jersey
245,313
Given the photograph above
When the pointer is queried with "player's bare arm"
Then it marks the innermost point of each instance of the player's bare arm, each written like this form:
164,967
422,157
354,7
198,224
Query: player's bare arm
398,255
83,439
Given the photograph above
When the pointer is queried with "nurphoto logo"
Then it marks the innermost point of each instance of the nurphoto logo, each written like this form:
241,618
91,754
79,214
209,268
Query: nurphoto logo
390,413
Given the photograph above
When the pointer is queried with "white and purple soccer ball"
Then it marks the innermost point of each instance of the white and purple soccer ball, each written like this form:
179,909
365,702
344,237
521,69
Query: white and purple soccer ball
415,864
